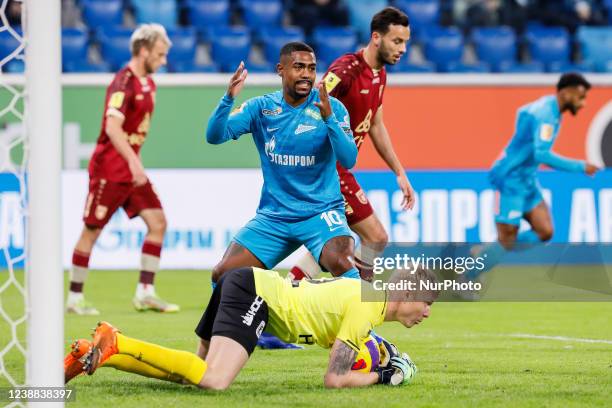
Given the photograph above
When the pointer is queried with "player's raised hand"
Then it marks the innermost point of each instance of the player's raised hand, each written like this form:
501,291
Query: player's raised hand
409,196
324,106
591,169
237,81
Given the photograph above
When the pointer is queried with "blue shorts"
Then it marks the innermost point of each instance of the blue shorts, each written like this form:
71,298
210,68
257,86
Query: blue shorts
271,240
515,203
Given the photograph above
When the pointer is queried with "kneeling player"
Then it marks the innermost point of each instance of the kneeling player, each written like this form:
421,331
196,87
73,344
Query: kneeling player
246,301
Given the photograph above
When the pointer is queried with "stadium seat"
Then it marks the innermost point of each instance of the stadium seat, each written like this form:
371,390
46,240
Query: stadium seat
495,45
533,67
9,43
262,13
163,12
360,15
595,46
205,14
102,13
608,6
261,68
458,67
74,45
115,46
85,66
443,45
332,42
229,46
191,67
405,67
548,44
16,66
423,14
273,38
183,50
569,66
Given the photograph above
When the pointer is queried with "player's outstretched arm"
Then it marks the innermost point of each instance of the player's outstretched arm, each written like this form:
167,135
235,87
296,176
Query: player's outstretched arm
543,154
340,134
223,126
339,374
384,147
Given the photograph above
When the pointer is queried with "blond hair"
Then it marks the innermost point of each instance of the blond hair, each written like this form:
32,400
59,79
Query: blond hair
146,35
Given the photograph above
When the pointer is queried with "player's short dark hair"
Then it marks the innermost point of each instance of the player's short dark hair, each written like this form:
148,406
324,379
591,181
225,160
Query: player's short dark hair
294,46
384,18
572,79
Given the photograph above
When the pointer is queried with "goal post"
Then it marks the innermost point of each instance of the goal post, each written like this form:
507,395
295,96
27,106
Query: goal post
43,116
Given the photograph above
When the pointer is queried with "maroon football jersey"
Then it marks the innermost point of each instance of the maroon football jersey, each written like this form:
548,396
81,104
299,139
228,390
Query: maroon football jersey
133,99
359,88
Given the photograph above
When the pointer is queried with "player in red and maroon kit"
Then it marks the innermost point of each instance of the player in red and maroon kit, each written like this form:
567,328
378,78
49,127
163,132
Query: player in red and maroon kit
116,175
358,80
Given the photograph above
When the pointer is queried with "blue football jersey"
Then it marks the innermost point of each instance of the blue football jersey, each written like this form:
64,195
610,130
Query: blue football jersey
298,150
537,126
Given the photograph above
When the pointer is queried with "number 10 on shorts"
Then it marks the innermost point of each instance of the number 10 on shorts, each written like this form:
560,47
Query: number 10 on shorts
333,219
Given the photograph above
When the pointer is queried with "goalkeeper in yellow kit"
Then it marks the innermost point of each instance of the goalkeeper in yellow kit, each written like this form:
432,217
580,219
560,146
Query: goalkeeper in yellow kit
330,313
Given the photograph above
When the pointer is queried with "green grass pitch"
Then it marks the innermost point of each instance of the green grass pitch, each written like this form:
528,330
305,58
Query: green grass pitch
468,354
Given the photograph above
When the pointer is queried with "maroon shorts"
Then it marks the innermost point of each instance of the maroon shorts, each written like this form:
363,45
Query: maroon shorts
356,205
105,197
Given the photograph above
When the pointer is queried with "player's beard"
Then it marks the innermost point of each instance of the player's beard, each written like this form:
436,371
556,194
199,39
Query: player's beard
148,67
572,108
295,94
384,56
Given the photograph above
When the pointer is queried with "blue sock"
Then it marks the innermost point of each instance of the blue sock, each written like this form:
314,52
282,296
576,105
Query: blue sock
528,236
352,273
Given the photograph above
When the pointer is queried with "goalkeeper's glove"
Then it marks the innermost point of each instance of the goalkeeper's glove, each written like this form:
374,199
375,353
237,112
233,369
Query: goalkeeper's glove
401,370
387,351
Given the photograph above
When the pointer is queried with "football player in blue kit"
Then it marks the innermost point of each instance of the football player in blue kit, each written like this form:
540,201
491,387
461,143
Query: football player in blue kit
300,133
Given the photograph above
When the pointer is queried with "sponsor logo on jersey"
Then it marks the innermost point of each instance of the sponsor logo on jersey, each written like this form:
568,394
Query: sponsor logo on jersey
546,132
312,113
272,112
331,81
302,128
287,159
364,91
248,317
116,100
376,80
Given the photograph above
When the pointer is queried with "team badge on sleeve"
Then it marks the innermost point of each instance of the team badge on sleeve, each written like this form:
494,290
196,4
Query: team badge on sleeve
546,132
331,81
116,100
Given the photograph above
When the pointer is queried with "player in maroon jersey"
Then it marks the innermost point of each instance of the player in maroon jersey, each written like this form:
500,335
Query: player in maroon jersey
358,80
116,175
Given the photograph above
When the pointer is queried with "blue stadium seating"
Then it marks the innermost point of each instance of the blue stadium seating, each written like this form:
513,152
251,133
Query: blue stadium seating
443,46
229,46
332,42
115,46
74,45
596,46
423,14
510,67
261,68
183,51
102,13
273,38
406,67
16,66
163,12
570,66
458,67
205,14
85,66
360,15
262,13
608,6
9,43
495,45
548,44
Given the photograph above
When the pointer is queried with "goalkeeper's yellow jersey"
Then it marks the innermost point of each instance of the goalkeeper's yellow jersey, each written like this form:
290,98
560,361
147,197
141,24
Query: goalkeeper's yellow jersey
318,311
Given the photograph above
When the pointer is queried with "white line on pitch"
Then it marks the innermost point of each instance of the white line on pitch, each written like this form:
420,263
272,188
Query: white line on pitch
560,338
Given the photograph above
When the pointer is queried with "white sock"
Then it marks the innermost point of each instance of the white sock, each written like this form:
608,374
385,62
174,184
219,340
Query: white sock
74,297
144,289
309,266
